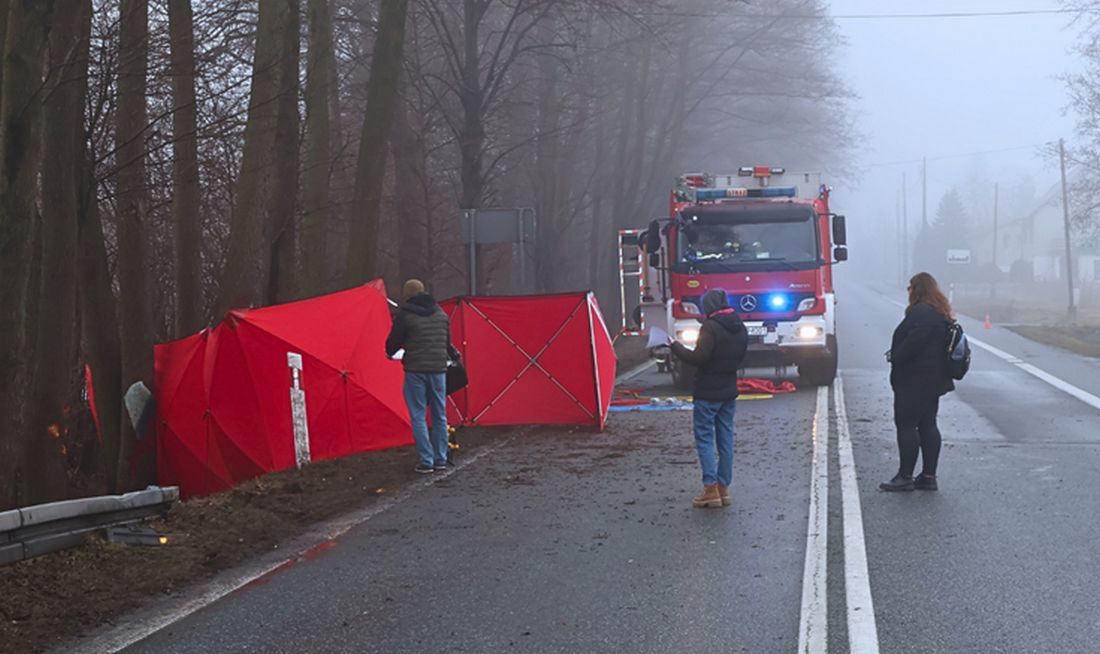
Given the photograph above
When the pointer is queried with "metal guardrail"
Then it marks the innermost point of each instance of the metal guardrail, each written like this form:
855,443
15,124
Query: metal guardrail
35,530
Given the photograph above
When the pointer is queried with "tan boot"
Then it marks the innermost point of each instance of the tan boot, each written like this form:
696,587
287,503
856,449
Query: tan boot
724,493
710,498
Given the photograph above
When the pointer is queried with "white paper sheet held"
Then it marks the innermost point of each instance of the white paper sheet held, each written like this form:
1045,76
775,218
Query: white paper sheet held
657,337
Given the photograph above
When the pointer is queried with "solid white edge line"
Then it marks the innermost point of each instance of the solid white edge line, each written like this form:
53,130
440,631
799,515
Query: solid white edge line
635,371
1062,385
813,628
126,634
862,629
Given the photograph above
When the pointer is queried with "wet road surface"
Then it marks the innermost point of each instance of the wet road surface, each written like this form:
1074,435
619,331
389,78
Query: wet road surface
567,541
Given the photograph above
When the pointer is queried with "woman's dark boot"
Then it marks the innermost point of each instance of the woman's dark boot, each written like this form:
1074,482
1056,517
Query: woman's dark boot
925,482
898,484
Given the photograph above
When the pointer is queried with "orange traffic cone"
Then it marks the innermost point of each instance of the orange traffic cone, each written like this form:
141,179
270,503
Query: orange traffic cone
988,324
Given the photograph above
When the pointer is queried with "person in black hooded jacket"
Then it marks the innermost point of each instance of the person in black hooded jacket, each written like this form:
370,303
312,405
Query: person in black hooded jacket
717,356
422,329
919,375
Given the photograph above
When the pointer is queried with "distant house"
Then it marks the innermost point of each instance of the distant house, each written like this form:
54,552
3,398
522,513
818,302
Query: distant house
1031,243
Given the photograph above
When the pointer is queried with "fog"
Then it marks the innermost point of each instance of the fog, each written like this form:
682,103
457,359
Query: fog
945,88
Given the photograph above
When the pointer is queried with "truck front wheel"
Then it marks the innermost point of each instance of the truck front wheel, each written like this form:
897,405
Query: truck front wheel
822,371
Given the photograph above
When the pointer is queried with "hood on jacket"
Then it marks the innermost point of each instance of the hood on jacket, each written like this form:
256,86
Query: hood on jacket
715,300
422,305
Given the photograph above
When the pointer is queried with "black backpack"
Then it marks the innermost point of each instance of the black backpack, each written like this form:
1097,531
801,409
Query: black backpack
958,351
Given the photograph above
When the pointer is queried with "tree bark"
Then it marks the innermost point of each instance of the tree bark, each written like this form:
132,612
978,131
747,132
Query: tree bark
99,323
245,279
133,205
283,278
56,370
24,50
318,158
186,190
382,97
412,236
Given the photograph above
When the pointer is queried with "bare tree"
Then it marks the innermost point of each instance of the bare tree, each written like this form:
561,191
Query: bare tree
247,274
24,48
320,80
382,97
185,170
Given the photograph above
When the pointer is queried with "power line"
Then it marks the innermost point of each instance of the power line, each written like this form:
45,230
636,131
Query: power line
960,155
825,16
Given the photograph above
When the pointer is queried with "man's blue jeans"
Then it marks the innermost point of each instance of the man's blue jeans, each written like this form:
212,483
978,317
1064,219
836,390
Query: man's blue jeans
424,391
713,423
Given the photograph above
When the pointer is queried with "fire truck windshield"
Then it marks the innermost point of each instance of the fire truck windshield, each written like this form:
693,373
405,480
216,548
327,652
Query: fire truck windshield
749,240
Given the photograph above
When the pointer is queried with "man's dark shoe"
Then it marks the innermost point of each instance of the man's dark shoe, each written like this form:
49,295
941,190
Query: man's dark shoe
423,469
925,482
440,467
897,484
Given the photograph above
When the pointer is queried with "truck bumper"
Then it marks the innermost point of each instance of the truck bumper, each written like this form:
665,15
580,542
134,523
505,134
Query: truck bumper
787,343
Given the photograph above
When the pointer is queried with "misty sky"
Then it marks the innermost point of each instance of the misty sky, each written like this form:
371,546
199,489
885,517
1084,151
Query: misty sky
946,86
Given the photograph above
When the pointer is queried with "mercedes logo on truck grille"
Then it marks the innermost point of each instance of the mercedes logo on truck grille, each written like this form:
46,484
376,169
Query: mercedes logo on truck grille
748,303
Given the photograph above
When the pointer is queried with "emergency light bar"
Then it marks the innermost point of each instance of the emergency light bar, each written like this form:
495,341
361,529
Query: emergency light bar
759,171
701,194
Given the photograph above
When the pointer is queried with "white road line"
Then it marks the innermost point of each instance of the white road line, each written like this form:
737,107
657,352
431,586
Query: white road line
634,372
862,630
813,627
1062,385
143,626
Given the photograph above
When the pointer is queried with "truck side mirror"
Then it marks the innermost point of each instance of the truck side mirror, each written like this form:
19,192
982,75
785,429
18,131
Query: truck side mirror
840,253
653,238
655,260
840,231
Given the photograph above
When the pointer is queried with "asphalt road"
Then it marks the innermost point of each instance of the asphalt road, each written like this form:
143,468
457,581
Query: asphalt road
566,541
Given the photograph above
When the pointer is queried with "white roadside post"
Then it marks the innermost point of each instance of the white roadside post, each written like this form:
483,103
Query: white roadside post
298,409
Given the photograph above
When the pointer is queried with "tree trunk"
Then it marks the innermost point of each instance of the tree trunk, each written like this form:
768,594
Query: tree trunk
28,25
133,203
318,158
382,97
56,371
99,323
471,140
185,171
283,278
245,277
412,234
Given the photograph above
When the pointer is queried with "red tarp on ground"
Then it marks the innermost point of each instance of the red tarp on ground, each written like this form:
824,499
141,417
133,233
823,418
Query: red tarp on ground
223,395
532,360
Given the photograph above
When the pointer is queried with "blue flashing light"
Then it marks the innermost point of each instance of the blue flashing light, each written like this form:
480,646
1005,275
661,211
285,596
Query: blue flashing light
702,194
778,301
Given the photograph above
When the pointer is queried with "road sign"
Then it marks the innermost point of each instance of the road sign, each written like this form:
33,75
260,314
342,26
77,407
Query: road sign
498,226
958,256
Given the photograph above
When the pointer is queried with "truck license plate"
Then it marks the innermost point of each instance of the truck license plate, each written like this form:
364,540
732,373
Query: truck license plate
758,330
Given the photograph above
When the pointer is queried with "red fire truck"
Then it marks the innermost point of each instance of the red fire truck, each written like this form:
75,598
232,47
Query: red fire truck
768,239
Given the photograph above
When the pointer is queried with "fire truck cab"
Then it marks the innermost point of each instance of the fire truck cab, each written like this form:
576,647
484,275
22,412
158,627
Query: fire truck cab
768,239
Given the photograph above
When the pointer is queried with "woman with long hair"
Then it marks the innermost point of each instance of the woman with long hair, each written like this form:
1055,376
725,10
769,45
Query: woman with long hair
919,375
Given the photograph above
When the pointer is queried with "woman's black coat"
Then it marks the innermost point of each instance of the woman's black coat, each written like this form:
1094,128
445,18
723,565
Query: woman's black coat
918,355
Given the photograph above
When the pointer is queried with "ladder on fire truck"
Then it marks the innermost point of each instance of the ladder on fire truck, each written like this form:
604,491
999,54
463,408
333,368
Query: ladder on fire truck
631,265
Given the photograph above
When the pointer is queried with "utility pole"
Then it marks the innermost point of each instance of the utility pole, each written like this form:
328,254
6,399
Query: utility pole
1072,313
996,271
924,193
996,197
904,229
897,235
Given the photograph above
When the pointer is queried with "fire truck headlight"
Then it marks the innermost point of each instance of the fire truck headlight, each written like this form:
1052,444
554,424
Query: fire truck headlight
688,336
808,332
807,304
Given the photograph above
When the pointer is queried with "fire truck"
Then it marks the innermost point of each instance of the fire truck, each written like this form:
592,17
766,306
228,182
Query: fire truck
765,237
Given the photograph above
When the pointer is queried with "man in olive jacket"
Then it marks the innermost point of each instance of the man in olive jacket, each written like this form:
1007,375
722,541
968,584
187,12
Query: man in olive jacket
422,329
718,355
